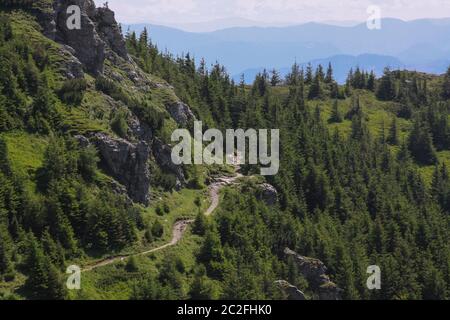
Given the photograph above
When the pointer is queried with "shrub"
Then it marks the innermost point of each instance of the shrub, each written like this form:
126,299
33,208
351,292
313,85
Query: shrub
166,207
72,91
159,211
148,236
87,162
119,125
132,265
157,229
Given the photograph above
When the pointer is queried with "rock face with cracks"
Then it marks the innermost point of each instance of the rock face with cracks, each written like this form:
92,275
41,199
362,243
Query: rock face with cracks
99,34
315,272
268,194
127,163
88,45
86,50
181,113
292,292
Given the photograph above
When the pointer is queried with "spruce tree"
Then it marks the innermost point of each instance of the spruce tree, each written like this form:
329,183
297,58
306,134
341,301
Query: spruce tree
420,144
386,89
356,109
371,81
336,116
315,90
4,254
5,165
200,224
329,77
56,289
275,78
37,268
392,138
309,74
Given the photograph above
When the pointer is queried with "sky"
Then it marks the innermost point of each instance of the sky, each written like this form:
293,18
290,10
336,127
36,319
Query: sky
266,12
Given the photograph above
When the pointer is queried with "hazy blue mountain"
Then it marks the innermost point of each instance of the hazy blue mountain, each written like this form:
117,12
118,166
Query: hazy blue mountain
218,24
236,55
417,44
341,66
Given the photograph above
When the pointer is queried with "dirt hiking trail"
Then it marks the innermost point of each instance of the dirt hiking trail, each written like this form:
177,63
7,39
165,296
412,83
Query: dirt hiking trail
180,227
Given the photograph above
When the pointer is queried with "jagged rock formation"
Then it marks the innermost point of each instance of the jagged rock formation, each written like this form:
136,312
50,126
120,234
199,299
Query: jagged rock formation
292,292
127,163
268,194
70,67
315,272
181,113
163,156
110,31
99,40
87,43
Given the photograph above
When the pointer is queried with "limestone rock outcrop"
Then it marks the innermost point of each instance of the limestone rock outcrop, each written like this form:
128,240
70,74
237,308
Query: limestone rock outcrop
85,50
87,43
181,113
268,194
315,272
292,292
127,163
110,31
163,156
98,37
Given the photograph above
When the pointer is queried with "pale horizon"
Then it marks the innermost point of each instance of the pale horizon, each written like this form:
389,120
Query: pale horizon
206,15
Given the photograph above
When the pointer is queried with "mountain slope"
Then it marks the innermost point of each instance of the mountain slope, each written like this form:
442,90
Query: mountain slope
86,173
99,129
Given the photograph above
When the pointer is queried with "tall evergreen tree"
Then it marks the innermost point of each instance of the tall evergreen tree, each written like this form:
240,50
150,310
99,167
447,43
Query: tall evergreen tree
329,77
393,138
420,144
309,74
386,89
275,78
336,116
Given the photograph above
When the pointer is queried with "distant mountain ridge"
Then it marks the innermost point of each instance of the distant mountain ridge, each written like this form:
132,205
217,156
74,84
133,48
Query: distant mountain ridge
422,45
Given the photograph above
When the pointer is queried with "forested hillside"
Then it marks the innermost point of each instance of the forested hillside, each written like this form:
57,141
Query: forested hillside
85,172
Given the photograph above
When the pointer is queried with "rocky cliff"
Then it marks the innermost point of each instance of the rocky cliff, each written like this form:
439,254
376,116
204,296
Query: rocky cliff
291,292
315,272
99,49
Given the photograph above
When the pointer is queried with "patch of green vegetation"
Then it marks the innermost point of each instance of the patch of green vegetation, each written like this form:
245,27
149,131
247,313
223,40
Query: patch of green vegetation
427,171
114,282
77,121
378,113
26,154
182,205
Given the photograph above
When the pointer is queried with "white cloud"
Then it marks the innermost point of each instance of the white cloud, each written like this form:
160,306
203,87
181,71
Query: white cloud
288,11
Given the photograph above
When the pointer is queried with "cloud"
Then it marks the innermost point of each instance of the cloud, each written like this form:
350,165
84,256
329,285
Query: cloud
288,11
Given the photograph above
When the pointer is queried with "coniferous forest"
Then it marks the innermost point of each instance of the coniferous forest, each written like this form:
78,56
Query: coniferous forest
364,175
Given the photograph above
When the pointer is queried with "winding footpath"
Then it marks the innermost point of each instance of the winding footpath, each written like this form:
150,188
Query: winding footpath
215,188
180,227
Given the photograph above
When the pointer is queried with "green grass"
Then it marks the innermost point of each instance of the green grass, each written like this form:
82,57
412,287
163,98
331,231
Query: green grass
26,154
378,112
26,26
427,171
113,282
182,206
